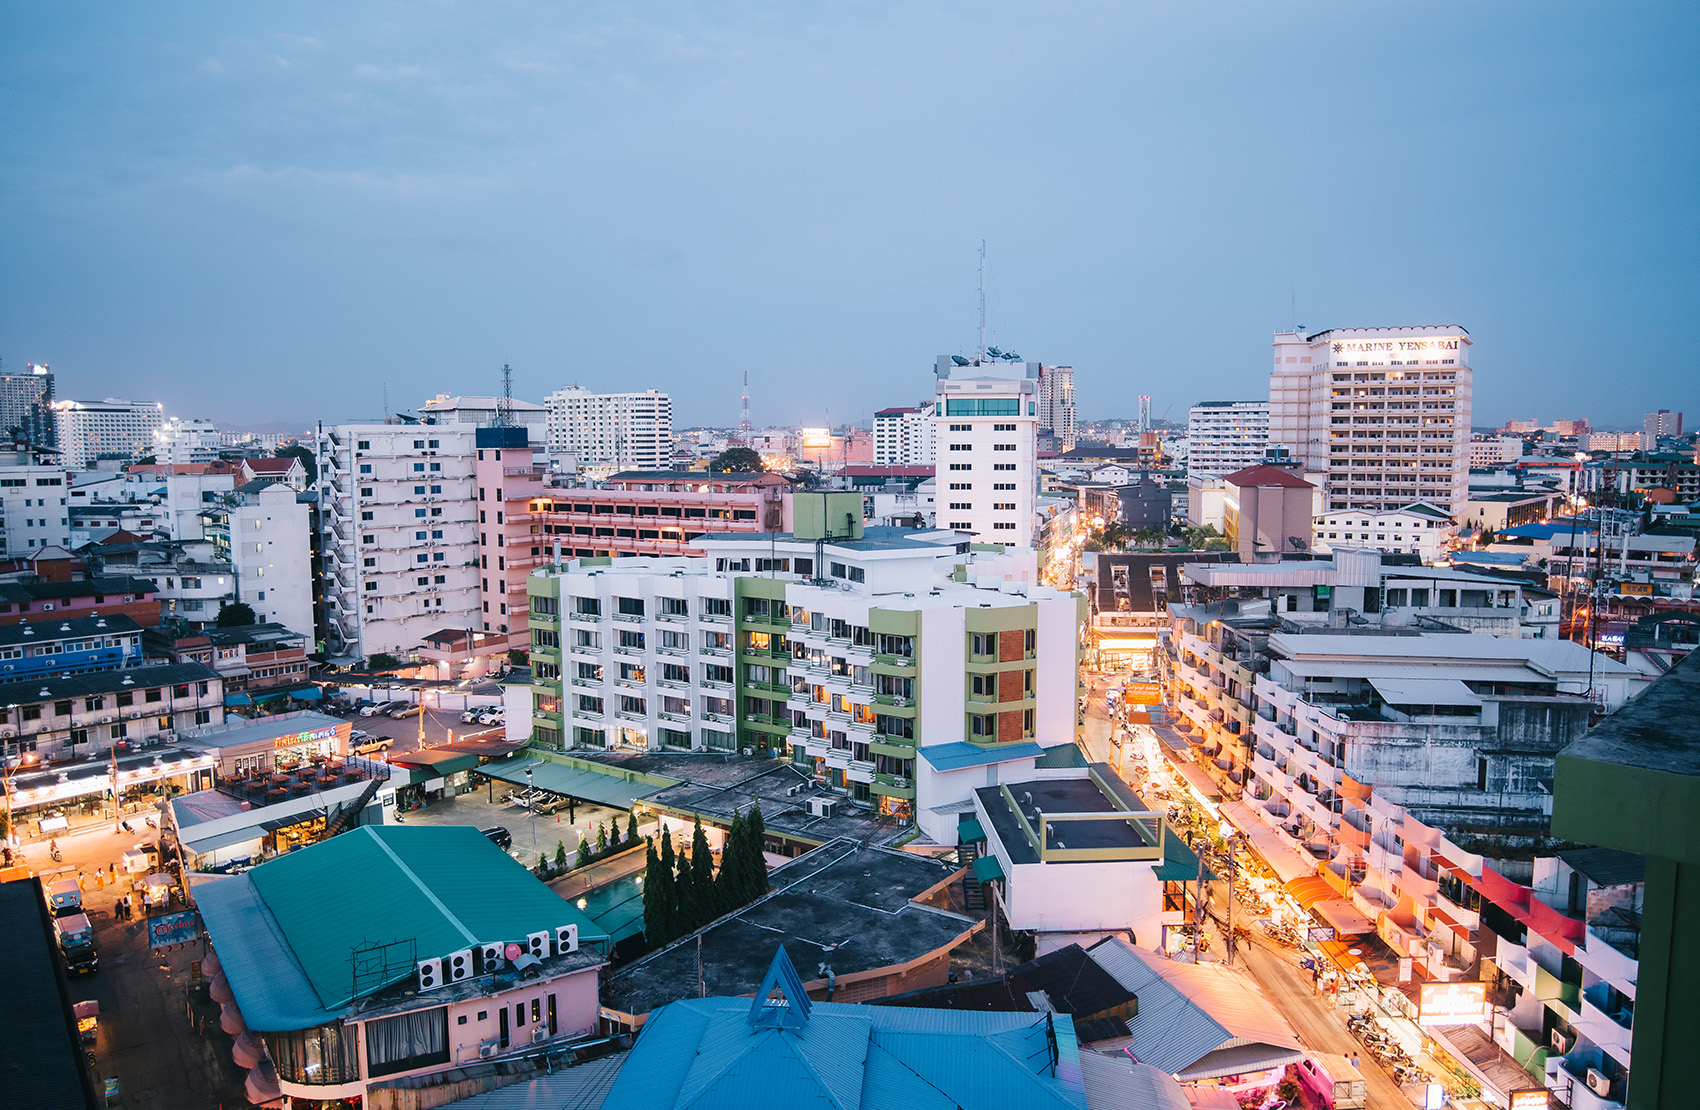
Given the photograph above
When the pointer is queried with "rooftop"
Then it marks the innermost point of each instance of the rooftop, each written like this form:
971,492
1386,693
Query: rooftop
103,682
1266,476
841,905
113,588
41,1063
65,628
238,731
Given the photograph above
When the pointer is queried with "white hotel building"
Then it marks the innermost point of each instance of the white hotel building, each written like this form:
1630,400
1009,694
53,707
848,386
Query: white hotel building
1223,437
1384,412
398,524
905,436
88,430
988,450
617,431
896,667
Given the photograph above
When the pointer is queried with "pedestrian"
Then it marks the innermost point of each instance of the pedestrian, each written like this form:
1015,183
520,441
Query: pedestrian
1355,1064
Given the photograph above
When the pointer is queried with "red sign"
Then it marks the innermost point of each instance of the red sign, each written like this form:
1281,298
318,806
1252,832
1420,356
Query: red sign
1143,693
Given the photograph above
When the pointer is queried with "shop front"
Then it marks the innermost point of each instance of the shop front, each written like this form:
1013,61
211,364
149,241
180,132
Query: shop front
52,803
283,744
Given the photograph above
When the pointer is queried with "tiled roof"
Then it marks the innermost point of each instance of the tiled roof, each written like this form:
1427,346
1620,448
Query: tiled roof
1264,476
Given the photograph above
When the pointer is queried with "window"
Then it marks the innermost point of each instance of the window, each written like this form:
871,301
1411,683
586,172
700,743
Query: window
674,607
407,1041
1003,466
983,724
590,705
983,643
1003,446
982,406
962,427
984,685
631,639
962,466
961,485
1003,427
960,447
1010,486
962,506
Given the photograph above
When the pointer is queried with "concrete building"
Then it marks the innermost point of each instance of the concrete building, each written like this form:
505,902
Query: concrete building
26,406
334,1006
89,431
845,654
76,716
988,450
1266,513
1146,504
74,646
263,530
191,582
258,662
34,503
1420,530
1491,451
1057,415
483,412
399,535
905,436
87,597
1660,424
1225,436
1384,412
185,441
615,431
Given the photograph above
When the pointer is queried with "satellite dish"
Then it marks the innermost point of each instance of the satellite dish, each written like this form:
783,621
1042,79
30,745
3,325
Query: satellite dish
959,360
513,952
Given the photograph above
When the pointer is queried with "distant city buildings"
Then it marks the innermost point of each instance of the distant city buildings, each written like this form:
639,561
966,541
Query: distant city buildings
905,436
1661,423
621,431
186,441
1057,415
1225,436
26,405
1384,412
91,431
988,449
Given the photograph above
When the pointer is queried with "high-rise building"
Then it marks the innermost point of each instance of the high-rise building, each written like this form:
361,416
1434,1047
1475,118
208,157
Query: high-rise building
988,449
1661,423
33,496
89,431
1226,436
398,520
1056,404
846,653
186,441
26,405
262,530
622,431
1384,412
905,436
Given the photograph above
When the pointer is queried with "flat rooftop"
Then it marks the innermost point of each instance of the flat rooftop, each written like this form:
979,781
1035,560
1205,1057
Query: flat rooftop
843,905
236,731
1041,796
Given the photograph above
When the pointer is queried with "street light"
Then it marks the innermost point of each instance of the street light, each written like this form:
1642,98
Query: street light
531,804
11,765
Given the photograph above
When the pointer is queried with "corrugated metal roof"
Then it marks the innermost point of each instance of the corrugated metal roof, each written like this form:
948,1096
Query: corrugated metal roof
1424,691
958,754
1117,1082
1188,1011
446,887
703,1053
1362,668
271,987
557,778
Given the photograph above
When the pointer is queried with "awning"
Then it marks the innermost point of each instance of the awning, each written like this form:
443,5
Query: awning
1281,856
1347,921
558,778
238,699
310,693
437,764
969,831
987,868
270,696
1424,691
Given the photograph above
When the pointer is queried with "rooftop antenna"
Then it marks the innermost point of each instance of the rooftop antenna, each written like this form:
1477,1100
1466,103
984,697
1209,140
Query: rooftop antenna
505,403
982,300
744,412
386,402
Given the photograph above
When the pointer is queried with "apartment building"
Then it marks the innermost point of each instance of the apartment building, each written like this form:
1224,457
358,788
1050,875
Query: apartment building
89,597
1487,452
264,531
186,441
1659,424
80,715
1057,415
189,580
26,405
89,431
398,535
616,431
895,666
34,510
488,412
259,661
905,436
1420,530
69,646
1384,412
987,470
1225,436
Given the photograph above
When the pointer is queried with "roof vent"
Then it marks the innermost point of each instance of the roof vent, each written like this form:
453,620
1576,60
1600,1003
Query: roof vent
46,693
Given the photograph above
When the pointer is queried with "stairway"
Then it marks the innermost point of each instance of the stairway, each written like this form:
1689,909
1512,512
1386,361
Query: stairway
973,890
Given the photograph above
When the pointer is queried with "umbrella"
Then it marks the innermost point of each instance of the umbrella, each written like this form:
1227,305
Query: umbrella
230,1019
210,964
220,990
248,1050
262,1084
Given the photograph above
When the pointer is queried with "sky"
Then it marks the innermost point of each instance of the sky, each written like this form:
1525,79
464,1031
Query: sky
262,213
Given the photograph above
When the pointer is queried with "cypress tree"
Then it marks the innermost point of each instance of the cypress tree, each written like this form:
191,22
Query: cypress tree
601,838
667,892
685,889
702,872
757,864
614,834
654,905
631,828
726,893
583,850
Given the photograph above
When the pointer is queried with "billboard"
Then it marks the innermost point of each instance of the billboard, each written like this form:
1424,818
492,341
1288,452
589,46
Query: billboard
1452,1003
173,928
1142,693
1531,1098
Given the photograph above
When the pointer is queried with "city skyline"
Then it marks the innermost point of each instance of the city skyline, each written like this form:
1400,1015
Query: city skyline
232,207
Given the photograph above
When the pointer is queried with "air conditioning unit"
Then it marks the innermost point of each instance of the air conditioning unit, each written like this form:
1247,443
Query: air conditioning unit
1599,1083
106,720
485,1051
538,944
746,751
823,807
566,939
458,965
430,974
1561,1043
540,1034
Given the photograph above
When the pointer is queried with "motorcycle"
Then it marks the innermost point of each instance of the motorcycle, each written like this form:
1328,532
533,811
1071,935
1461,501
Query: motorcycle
53,852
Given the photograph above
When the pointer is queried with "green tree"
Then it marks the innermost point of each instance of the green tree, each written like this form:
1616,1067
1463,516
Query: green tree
756,834
631,828
656,907
668,893
727,892
237,614
601,838
614,835
382,661
519,657
561,855
689,913
306,457
583,850
702,867
742,460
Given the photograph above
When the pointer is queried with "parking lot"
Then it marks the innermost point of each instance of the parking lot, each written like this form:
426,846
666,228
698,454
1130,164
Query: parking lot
485,808
439,729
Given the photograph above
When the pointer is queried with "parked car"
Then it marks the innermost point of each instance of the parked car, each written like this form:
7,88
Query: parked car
405,709
470,715
371,744
492,716
372,709
499,836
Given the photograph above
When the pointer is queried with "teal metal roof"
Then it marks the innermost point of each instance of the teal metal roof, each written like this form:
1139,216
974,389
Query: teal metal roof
1179,864
987,868
967,832
958,754
703,1053
558,778
446,887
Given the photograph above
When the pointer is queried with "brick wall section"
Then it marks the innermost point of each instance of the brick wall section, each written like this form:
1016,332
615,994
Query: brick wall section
1012,646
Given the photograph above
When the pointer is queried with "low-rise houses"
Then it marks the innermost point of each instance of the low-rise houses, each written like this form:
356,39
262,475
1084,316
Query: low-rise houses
1420,530
77,716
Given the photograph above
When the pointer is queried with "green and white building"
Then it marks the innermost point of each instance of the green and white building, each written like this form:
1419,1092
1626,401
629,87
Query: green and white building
903,668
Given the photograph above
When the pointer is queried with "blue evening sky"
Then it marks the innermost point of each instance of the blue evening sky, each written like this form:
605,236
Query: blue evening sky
264,212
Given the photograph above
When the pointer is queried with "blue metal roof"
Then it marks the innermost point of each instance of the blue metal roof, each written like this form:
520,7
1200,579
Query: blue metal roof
271,987
959,754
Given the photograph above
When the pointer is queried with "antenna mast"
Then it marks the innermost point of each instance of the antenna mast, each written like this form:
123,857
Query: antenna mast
505,403
982,300
744,412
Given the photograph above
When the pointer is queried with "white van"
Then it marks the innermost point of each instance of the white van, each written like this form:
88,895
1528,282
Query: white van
1336,1082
